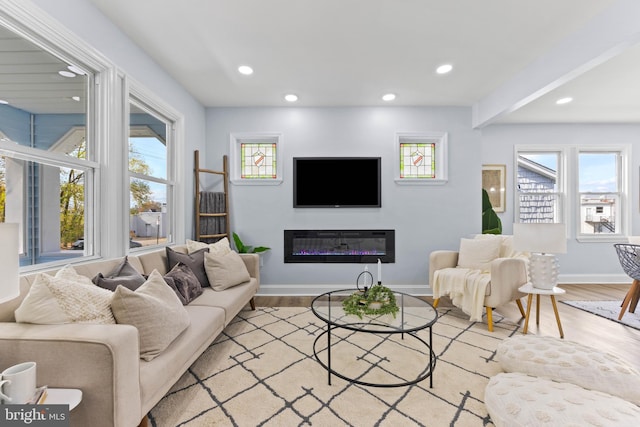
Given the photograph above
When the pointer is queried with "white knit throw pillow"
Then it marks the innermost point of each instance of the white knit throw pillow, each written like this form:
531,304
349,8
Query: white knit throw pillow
66,297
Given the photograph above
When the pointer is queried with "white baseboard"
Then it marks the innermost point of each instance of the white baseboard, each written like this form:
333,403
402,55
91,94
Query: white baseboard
425,290
317,289
594,279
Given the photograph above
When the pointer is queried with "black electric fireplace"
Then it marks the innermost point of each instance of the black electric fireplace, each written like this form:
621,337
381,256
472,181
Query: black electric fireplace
334,246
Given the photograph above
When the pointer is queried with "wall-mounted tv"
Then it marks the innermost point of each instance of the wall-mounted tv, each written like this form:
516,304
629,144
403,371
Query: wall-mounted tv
337,182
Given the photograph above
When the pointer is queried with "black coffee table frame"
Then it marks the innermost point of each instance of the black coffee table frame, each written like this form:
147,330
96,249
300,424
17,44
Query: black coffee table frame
374,326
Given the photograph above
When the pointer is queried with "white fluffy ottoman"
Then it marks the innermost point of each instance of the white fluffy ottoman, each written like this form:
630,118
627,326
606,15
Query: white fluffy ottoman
515,399
566,361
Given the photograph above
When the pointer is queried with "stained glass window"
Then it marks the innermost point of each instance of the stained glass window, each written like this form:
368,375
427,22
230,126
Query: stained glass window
417,160
258,160
421,158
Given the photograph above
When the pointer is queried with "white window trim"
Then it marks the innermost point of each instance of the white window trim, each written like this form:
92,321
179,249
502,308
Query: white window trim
32,23
236,139
440,139
107,132
623,177
175,164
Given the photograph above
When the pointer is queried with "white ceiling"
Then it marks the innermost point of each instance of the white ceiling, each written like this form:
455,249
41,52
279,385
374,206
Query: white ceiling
351,52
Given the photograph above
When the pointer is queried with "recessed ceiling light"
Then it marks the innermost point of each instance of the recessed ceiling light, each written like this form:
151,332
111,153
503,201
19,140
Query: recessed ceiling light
65,73
76,98
76,70
562,101
389,97
245,69
291,97
2,101
444,69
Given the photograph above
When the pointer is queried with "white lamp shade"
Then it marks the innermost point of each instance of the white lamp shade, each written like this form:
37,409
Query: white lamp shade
546,238
9,262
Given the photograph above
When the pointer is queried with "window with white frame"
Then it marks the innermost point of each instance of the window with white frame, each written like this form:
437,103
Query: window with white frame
47,149
256,158
421,158
151,182
600,191
583,186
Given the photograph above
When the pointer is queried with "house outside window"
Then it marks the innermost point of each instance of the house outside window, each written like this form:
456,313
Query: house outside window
540,189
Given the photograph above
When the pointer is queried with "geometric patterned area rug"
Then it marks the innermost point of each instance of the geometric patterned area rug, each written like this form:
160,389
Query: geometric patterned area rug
261,371
609,310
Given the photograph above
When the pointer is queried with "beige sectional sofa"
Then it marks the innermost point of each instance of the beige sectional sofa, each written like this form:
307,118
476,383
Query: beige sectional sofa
103,360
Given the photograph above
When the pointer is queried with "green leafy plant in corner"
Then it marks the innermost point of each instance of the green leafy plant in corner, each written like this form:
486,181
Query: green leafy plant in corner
246,249
491,223
376,301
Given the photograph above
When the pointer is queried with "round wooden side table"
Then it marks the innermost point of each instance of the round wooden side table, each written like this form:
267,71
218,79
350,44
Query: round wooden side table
529,289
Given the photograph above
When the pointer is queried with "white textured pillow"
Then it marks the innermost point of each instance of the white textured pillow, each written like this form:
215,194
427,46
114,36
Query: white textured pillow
225,271
155,310
570,362
221,247
478,253
66,297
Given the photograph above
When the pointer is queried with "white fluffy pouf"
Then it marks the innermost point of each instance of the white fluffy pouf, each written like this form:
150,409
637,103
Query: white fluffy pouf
571,362
515,399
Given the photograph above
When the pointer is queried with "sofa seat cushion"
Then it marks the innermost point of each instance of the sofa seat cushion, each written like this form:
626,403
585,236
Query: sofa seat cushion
158,376
515,399
231,300
571,362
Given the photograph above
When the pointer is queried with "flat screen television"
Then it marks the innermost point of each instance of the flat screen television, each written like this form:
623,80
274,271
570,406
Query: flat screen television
337,182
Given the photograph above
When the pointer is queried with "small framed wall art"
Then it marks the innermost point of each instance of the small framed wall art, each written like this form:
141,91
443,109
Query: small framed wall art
494,181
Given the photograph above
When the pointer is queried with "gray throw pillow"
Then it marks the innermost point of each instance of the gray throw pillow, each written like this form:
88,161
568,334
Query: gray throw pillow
184,283
194,260
124,274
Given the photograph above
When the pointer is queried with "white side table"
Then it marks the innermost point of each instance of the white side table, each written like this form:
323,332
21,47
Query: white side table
63,396
529,289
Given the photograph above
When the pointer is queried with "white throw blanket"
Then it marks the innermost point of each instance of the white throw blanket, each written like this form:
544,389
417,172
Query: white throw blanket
465,287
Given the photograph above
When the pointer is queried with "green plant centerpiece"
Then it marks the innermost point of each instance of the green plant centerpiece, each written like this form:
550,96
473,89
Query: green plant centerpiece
375,301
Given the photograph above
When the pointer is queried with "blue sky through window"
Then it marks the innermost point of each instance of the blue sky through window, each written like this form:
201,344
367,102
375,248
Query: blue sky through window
597,170
154,153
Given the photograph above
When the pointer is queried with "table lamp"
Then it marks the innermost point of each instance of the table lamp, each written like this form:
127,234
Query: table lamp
542,240
9,262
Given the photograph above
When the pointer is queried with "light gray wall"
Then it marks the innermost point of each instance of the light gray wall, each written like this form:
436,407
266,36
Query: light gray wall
425,217
87,22
584,262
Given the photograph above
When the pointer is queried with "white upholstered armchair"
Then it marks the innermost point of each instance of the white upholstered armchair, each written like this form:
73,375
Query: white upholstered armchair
485,273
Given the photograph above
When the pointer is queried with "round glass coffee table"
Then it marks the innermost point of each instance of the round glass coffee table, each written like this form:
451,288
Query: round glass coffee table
386,360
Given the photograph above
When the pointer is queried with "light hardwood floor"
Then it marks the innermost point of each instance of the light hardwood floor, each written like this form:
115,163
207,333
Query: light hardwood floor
578,325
